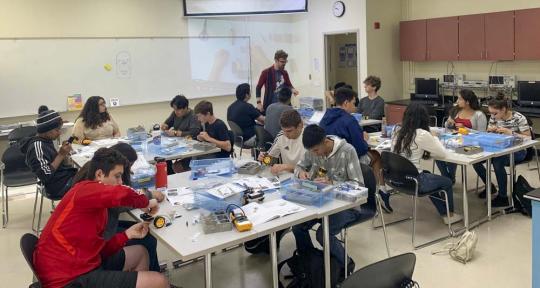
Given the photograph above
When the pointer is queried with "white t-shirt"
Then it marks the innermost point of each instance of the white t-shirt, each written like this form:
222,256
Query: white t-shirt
423,141
291,150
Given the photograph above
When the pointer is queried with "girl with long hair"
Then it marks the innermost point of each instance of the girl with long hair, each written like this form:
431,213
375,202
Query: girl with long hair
95,122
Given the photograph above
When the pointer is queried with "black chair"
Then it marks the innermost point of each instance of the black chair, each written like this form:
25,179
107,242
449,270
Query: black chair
238,138
402,176
231,138
44,194
21,132
391,272
373,203
13,173
28,245
433,121
264,138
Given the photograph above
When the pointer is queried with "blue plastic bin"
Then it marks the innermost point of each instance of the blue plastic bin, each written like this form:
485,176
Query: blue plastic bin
211,167
490,142
208,202
143,178
357,116
307,192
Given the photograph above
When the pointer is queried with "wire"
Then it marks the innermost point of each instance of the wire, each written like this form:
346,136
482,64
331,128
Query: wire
234,205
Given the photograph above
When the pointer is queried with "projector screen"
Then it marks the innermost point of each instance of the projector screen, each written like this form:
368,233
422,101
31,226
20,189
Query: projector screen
242,7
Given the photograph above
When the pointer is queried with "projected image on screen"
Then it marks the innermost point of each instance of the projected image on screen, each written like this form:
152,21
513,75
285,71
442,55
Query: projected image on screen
219,62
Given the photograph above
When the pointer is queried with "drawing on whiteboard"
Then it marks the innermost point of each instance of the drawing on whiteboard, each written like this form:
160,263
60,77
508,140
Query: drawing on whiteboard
123,65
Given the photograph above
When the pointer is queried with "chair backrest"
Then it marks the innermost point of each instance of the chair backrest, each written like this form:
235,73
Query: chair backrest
28,244
14,160
398,172
371,183
263,137
390,272
238,133
231,139
433,121
21,132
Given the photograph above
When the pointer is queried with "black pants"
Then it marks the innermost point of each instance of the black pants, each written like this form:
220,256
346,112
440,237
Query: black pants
149,242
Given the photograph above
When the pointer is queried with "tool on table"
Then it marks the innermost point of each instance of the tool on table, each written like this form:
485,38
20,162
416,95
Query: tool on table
238,218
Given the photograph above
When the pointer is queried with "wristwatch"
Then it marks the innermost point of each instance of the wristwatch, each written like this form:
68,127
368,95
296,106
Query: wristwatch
259,102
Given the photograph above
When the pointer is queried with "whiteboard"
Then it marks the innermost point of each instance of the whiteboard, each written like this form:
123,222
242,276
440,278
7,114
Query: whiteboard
36,71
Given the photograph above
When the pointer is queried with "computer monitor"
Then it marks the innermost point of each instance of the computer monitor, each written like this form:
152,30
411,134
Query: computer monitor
529,93
426,89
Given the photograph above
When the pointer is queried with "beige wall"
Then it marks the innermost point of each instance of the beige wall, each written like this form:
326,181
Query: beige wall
383,46
473,70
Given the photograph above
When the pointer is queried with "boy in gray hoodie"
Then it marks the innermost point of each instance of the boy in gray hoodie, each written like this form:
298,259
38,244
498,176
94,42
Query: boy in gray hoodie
340,161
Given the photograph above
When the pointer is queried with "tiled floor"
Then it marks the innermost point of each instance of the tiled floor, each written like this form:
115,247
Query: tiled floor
502,259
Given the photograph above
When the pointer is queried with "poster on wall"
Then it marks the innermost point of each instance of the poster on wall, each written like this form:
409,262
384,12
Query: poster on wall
342,63
351,55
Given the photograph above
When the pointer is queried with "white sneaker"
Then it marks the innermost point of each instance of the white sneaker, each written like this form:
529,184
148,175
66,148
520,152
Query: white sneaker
452,219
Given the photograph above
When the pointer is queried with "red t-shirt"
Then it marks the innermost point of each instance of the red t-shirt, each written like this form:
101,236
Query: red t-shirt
466,122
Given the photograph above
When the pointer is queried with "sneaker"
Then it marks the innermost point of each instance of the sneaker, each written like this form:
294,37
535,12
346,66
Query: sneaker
500,202
454,218
482,195
385,197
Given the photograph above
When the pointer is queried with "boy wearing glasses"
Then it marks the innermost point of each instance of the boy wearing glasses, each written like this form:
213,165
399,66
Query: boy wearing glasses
273,79
48,164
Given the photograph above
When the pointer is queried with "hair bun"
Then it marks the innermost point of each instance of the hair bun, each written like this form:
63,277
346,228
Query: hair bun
500,96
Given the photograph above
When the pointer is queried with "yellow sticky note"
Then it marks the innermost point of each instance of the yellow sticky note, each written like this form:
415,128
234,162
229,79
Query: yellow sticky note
108,67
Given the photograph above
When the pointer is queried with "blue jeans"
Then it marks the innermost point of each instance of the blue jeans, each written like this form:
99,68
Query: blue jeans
336,222
429,182
149,242
447,169
500,172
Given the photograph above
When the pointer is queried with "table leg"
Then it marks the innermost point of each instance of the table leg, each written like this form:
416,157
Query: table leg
465,200
208,270
326,237
511,182
273,255
488,186
4,199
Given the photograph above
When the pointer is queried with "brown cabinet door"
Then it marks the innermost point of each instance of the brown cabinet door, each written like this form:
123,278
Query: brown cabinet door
394,113
442,39
412,40
527,29
499,32
471,37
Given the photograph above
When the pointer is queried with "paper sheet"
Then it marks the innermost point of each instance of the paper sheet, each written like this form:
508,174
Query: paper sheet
180,196
267,211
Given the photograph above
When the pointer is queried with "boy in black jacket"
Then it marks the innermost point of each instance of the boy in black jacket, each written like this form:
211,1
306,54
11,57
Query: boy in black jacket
41,155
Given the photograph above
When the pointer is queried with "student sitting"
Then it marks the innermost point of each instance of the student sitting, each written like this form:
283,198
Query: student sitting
49,165
114,225
214,130
414,141
468,114
182,121
341,163
503,121
71,251
274,111
94,122
288,143
372,107
330,95
244,114
339,121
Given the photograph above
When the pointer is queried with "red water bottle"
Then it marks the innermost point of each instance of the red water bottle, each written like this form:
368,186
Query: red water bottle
161,172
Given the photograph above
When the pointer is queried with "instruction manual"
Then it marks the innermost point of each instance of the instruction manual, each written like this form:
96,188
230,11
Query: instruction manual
180,196
267,211
258,183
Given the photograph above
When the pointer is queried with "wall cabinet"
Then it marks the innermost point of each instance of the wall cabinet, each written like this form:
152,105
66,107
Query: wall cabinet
442,39
471,37
412,40
527,34
499,33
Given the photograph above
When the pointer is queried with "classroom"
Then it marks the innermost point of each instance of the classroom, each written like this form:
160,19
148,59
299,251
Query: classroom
256,143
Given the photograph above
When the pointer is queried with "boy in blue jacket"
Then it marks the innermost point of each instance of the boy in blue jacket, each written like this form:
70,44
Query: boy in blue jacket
338,121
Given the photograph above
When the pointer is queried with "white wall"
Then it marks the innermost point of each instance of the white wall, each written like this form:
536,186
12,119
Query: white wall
321,21
301,35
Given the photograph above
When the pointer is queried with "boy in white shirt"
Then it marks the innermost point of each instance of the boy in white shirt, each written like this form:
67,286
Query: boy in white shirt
288,143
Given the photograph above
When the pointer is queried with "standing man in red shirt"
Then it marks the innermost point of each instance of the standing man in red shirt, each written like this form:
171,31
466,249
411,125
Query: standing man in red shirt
72,252
273,78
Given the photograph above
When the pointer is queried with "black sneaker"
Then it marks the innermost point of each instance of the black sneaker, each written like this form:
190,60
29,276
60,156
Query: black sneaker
350,266
482,195
500,202
385,197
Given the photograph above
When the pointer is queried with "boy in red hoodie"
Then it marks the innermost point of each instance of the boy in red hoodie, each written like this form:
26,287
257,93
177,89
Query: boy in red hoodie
71,251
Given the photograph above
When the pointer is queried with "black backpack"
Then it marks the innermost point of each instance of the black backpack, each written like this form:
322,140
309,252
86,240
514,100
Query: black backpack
262,244
522,204
307,268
